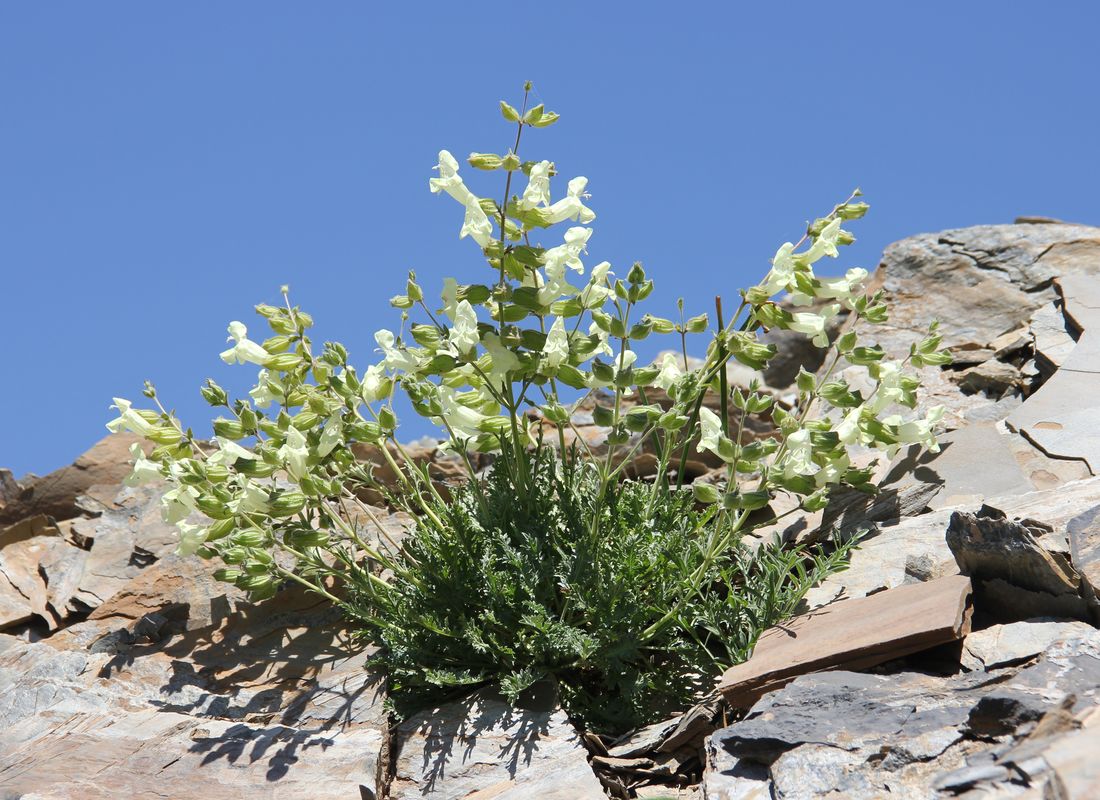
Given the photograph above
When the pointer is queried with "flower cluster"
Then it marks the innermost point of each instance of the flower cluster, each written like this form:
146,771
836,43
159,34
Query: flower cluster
277,493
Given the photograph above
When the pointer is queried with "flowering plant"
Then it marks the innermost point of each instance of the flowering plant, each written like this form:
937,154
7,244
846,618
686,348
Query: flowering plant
504,368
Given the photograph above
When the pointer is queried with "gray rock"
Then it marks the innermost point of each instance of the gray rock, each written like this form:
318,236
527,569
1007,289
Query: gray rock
1014,575
482,747
907,735
1006,644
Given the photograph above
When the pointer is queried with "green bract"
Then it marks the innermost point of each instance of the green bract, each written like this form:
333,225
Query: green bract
553,563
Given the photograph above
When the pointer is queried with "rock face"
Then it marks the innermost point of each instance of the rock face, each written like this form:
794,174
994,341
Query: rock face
126,671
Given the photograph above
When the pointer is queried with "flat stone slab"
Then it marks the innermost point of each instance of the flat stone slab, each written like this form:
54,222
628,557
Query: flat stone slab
1005,644
481,747
852,634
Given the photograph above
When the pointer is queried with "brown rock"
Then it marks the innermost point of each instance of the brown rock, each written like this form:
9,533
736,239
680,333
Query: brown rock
852,634
107,463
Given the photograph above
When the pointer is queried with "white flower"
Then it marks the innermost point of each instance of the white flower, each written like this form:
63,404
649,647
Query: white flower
129,419
374,386
294,453
331,435
814,324
538,187
463,334
555,285
253,498
450,296
832,472
670,372
177,504
597,291
229,452
799,458
143,470
889,386
462,419
267,389
556,350
710,431
569,254
843,289
476,225
504,360
192,537
825,243
397,358
449,180
571,206
848,430
782,271
245,351
604,338
918,431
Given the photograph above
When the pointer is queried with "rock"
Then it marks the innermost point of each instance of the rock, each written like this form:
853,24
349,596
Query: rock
1015,576
1007,644
992,377
125,541
852,634
195,692
32,555
482,747
903,734
106,463
1052,342
885,558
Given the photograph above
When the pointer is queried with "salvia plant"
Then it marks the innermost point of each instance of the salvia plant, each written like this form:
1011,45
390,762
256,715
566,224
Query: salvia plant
550,563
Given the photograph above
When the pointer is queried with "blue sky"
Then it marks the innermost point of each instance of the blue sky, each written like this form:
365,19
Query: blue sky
164,167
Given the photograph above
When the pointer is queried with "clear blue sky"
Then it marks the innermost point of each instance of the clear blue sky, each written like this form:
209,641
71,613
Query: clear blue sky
165,166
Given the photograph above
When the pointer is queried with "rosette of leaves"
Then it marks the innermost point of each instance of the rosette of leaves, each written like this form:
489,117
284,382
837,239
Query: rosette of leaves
554,564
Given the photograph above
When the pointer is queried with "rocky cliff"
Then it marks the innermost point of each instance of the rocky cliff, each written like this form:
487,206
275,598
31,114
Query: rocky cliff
958,656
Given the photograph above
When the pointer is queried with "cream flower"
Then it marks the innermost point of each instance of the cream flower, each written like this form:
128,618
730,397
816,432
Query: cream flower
782,271
556,350
476,225
848,430
799,457
229,452
710,431
143,470
129,419
449,180
178,504
814,324
331,435
670,372
537,192
504,360
461,419
294,453
463,334
825,243
266,390
450,297
569,253
244,351
571,206
374,386
396,358
192,537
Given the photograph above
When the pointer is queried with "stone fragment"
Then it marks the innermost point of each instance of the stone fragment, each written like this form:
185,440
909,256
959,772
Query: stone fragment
1017,641
1053,343
24,592
1015,576
992,377
126,541
884,558
852,634
482,747
106,463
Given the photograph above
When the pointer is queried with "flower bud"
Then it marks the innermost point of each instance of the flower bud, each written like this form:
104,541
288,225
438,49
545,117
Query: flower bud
510,162
214,394
287,503
283,362
705,493
486,161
